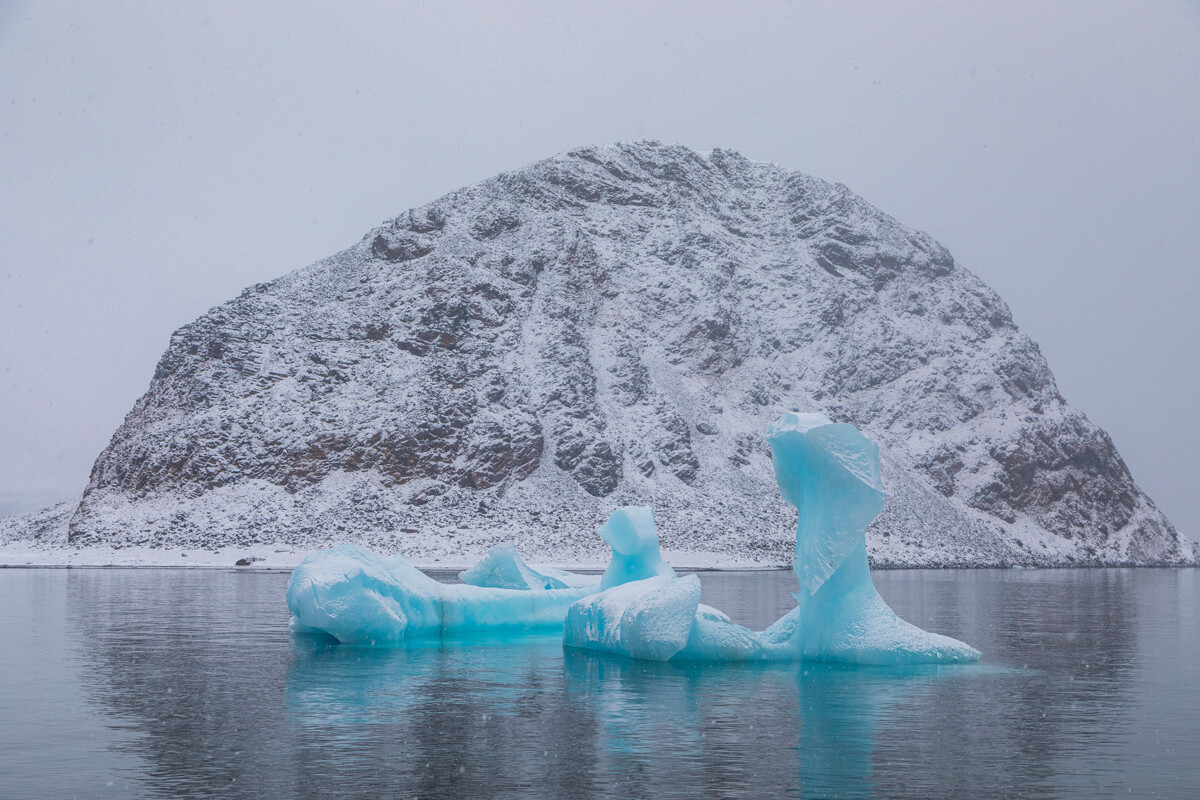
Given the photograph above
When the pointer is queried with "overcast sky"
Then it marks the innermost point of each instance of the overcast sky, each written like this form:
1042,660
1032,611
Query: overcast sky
157,158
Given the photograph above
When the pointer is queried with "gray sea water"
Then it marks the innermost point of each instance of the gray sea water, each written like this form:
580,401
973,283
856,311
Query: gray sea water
163,683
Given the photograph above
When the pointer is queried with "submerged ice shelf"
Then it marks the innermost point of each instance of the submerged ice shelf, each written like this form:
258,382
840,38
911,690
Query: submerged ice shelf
640,608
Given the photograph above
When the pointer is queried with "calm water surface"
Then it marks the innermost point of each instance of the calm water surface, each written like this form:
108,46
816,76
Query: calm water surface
176,683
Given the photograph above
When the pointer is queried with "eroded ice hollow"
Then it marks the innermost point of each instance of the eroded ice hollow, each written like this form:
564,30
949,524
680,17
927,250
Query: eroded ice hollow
830,472
640,608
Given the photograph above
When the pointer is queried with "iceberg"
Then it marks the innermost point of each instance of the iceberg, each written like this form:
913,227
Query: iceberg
830,472
631,534
649,618
361,597
640,607
503,568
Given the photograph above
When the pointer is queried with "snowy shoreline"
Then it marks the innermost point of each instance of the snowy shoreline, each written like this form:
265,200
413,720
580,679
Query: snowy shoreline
39,539
277,558
18,555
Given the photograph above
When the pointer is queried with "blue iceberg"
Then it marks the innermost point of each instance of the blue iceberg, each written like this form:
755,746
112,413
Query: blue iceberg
503,568
360,597
640,608
631,534
830,472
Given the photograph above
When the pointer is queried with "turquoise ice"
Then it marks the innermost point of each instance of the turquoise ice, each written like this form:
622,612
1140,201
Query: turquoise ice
640,608
361,597
503,568
631,534
830,472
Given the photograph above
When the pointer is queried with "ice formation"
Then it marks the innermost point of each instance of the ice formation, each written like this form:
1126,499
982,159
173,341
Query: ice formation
631,533
503,568
360,597
830,472
641,608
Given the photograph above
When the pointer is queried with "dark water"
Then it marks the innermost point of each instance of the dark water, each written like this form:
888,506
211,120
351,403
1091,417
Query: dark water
174,683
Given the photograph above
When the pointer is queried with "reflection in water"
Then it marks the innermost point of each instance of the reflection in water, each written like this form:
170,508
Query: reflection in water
528,719
195,663
199,666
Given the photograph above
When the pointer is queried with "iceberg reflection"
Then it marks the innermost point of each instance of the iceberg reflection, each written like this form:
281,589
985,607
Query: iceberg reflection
524,717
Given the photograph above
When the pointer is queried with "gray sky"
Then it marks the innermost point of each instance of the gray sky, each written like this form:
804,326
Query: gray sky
156,158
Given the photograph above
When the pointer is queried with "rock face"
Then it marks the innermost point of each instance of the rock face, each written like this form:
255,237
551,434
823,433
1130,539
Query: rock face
616,326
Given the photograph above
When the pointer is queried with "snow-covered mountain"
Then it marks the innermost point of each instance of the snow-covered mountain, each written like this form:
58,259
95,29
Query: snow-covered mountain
616,325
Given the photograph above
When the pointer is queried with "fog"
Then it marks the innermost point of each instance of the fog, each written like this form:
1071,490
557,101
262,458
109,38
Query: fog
157,158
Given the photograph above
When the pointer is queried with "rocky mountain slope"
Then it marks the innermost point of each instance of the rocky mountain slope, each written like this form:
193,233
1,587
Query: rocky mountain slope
616,325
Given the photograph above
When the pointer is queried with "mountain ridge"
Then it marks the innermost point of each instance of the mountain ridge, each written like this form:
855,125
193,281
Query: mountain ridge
616,325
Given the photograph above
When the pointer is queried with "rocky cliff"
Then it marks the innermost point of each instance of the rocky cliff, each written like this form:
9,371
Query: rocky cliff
616,325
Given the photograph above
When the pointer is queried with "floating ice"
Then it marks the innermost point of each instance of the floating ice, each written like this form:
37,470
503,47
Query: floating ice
640,608
631,534
649,618
830,472
359,597
503,568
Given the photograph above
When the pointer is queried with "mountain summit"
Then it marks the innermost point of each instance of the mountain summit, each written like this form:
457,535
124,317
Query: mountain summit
616,326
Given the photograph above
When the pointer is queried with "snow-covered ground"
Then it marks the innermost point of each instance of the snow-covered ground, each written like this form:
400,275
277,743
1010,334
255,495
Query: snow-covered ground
282,557
49,547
